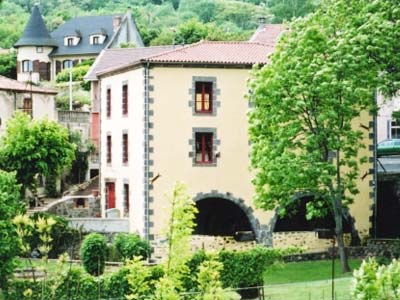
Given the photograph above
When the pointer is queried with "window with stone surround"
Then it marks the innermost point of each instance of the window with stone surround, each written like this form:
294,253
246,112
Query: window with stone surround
204,142
204,94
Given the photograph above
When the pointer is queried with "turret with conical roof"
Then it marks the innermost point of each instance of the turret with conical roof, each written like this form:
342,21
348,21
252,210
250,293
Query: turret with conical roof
34,47
35,33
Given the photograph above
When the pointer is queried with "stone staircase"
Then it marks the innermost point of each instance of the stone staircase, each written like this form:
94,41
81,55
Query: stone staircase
42,205
83,189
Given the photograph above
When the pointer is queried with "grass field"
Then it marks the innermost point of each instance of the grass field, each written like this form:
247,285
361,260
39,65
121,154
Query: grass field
308,281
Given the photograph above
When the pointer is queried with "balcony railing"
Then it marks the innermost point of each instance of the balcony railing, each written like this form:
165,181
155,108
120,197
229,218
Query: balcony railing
66,116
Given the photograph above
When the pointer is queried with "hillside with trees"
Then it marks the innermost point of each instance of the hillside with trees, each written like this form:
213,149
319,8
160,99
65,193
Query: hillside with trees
160,21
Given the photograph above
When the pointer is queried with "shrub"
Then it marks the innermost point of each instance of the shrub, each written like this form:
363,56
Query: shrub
94,253
189,281
63,236
246,268
113,253
372,281
130,245
19,289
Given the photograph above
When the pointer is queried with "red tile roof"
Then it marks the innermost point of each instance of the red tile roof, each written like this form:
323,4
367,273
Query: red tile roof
115,58
227,53
9,84
267,34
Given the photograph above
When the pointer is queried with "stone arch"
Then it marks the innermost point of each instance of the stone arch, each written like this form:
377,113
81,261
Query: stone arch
347,218
247,210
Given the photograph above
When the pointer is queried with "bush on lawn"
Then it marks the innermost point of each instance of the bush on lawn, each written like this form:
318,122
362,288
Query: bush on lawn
130,245
93,253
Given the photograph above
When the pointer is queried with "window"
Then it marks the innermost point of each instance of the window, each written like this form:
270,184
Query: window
125,99
125,148
96,40
39,49
109,148
27,66
27,106
203,97
70,41
126,200
395,130
67,64
204,147
108,103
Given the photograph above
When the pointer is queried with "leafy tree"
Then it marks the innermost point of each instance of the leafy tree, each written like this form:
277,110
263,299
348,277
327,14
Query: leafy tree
31,147
8,65
80,165
320,80
178,233
289,9
190,32
10,206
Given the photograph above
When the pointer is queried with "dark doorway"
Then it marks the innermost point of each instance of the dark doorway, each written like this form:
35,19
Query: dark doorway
296,220
388,209
220,217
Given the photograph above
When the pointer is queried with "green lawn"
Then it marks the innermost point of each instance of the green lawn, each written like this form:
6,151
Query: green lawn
307,271
308,281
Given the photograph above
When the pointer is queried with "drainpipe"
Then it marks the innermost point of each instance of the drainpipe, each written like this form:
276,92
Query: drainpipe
146,151
100,119
15,101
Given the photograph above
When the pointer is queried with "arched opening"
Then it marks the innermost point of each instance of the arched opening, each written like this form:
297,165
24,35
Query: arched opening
295,219
386,214
221,217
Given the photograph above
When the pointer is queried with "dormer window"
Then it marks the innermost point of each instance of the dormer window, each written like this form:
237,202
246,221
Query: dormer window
71,40
96,39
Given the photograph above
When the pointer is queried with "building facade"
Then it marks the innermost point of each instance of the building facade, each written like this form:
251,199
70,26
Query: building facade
182,115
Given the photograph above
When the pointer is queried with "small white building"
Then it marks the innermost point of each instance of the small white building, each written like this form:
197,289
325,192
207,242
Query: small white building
36,101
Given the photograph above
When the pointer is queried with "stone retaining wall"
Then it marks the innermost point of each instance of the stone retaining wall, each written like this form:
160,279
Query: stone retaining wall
203,242
100,225
76,207
308,240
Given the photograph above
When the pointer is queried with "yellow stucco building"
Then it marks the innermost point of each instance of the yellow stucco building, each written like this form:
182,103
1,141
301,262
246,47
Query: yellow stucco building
181,114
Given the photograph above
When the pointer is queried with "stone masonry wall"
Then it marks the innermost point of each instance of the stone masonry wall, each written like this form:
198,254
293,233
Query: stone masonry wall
203,242
304,239
68,207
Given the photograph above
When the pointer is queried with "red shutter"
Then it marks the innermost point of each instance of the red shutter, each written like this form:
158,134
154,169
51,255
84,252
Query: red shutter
110,194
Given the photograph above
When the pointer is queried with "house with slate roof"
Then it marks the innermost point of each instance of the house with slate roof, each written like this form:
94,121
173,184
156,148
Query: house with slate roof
42,55
181,114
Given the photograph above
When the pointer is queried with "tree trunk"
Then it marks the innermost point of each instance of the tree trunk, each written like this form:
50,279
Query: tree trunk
340,241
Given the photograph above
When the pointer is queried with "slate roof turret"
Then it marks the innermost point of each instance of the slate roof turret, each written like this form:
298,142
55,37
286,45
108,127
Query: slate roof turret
35,33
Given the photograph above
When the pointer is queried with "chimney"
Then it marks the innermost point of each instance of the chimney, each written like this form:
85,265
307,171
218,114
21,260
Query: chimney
261,21
116,22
